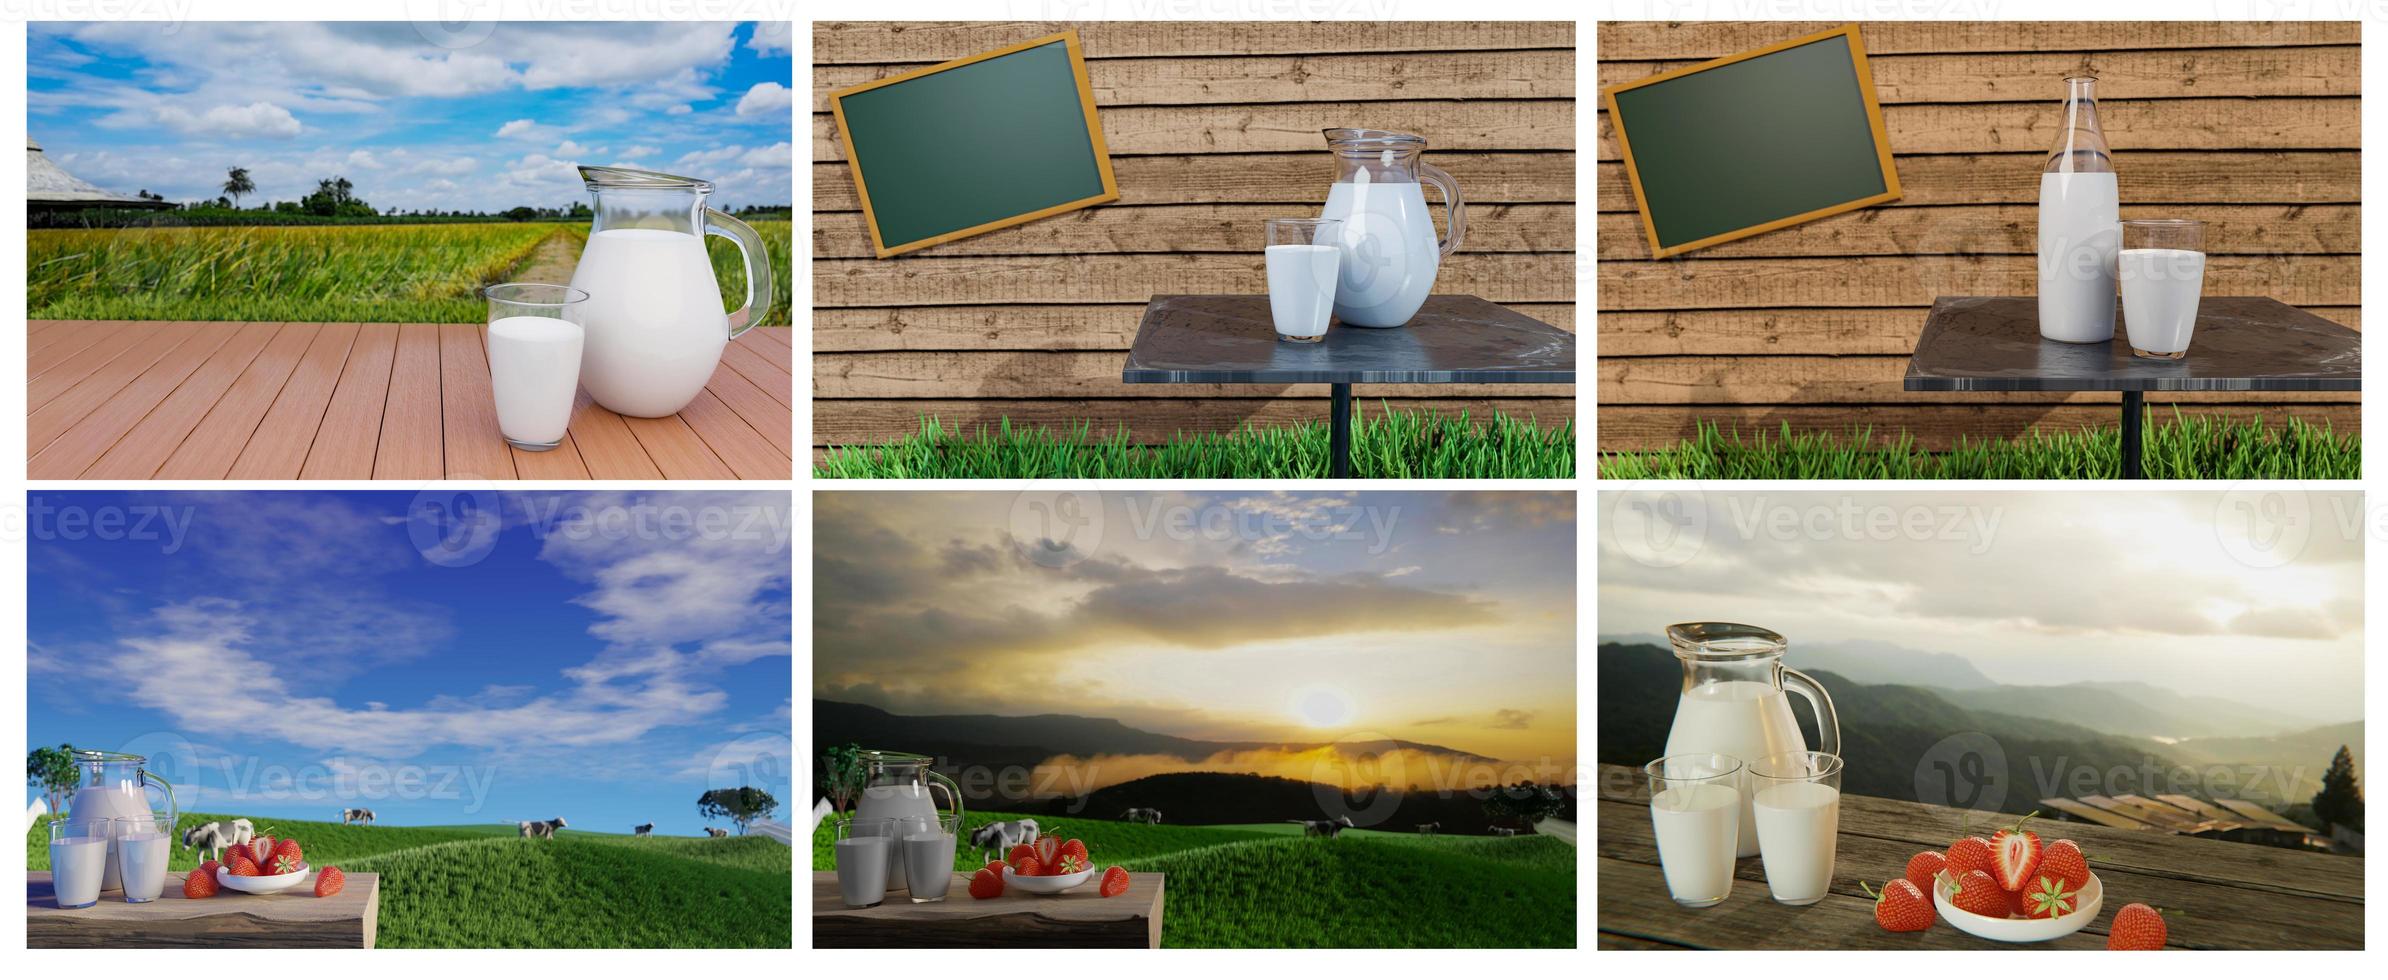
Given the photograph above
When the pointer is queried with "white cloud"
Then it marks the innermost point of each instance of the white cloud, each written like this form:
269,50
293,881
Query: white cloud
772,37
363,160
569,148
514,128
679,110
640,151
766,98
229,121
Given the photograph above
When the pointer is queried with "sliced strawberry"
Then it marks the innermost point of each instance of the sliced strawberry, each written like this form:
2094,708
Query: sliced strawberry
2014,856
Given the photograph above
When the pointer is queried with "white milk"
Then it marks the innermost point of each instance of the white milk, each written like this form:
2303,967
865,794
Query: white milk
76,865
862,867
1389,251
2160,289
142,858
928,864
1695,826
654,319
94,804
534,368
908,804
1747,720
1798,826
1302,284
2080,231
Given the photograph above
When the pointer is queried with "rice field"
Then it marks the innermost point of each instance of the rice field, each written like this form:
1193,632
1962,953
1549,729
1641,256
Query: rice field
341,273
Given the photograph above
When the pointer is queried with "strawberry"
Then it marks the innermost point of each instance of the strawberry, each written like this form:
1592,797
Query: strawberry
2015,856
1048,850
1968,854
1018,851
200,884
2048,896
1115,882
1901,907
285,859
1979,894
241,866
986,883
328,882
997,867
208,868
1075,848
2063,860
261,849
1027,867
2136,927
1922,868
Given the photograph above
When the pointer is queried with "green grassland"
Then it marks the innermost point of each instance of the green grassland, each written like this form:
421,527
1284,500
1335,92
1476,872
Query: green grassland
1264,885
1392,445
485,886
2177,447
388,273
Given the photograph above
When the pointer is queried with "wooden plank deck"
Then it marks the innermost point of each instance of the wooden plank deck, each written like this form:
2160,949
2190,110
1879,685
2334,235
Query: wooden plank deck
132,400
2231,895
2262,817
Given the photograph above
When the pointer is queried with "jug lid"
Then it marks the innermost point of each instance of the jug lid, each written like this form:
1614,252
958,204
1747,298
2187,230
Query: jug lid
1724,641
895,758
105,757
604,178
1371,139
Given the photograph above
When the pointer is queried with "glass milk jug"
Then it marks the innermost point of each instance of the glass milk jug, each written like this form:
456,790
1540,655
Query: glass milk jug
2080,225
653,320
1733,703
113,786
899,786
1390,254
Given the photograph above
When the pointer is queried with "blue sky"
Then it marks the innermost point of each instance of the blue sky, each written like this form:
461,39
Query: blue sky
605,657
482,117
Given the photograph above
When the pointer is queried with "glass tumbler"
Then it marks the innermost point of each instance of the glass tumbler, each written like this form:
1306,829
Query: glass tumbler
1304,261
2162,268
535,340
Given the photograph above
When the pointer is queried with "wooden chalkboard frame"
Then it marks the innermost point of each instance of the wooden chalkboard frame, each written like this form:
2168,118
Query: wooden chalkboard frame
1865,87
1094,130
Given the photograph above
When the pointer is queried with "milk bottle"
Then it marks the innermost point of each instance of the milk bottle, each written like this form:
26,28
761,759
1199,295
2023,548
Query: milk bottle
1733,702
2080,228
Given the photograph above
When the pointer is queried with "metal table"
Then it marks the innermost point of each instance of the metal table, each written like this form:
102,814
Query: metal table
1453,340
2240,343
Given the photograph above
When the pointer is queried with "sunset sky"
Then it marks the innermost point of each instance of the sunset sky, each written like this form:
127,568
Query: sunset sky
1445,618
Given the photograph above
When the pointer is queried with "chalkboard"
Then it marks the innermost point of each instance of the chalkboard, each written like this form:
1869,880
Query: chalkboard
1753,142
969,146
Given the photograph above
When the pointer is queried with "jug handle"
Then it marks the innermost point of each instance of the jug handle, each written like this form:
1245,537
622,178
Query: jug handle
758,269
953,794
1828,725
173,812
1453,205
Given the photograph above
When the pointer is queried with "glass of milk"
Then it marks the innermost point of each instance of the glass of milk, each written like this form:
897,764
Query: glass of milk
1695,809
141,851
928,844
1797,804
534,360
2162,268
1304,263
78,859
864,849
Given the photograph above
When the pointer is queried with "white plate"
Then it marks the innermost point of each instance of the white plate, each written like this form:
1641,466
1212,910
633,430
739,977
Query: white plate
2020,930
1045,884
261,884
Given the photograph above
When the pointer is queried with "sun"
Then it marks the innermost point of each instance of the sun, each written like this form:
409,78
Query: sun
1323,707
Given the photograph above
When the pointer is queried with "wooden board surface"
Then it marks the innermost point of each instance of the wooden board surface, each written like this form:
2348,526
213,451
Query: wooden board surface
289,919
209,401
1080,918
2241,896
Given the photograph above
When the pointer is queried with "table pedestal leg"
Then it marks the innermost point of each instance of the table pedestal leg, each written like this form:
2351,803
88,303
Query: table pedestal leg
2131,414
1339,433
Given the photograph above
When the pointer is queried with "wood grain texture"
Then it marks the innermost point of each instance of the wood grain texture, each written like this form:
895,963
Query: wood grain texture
2157,177
1067,374
2037,76
1281,178
1889,330
293,919
1935,426
1115,279
1548,74
920,42
1700,283
1232,229
1076,919
1151,420
1849,379
2145,124
2013,229
1699,41
1544,124
350,401
1021,327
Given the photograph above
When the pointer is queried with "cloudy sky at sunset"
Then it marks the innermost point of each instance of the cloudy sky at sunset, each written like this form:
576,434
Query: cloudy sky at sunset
1445,618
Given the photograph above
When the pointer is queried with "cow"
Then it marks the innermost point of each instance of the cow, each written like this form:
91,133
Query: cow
1141,814
356,815
541,828
1324,828
1003,835
642,830
1431,828
716,832
212,838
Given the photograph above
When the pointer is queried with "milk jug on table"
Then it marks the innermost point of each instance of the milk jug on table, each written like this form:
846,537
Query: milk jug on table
653,321
899,786
2080,225
1734,703
1390,254
112,786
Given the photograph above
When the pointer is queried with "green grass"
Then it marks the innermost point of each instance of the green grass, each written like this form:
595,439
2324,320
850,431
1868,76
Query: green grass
483,886
1264,885
1397,445
2184,447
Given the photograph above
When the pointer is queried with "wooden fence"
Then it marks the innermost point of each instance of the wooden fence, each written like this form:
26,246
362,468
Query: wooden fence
1212,127
2254,128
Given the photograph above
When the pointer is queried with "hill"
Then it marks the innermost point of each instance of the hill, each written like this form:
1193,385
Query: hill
1871,661
484,886
2127,708
1245,798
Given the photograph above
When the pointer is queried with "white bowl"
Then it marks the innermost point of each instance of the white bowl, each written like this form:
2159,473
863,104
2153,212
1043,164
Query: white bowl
1044,884
261,884
2020,930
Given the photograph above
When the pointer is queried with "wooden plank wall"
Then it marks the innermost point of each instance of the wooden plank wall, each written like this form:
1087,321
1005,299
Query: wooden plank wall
1212,127
2251,127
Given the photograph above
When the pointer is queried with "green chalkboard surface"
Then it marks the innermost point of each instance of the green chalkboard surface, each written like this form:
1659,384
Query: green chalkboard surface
1754,142
974,145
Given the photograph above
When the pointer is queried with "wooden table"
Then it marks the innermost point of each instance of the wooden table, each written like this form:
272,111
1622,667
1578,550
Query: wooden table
2239,343
140,400
2232,896
1079,918
285,920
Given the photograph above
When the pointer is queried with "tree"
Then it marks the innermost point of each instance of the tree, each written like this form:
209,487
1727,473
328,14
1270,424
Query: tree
54,771
335,197
740,806
519,213
2340,801
1525,802
840,776
237,184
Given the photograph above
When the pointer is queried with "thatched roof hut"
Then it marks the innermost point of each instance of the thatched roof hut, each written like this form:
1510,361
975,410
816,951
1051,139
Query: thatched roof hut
49,187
